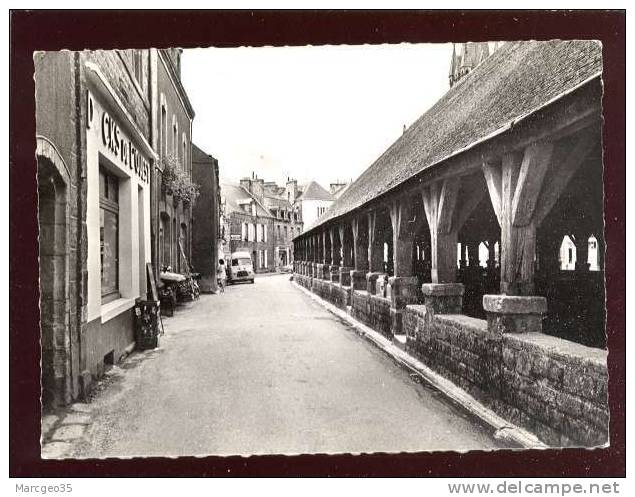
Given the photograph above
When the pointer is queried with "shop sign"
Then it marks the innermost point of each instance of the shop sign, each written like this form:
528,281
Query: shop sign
122,148
236,237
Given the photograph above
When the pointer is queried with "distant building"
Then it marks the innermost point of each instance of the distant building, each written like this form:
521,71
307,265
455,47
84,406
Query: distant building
336,189
313,201
262,219
469,56
206,218
288,220
250,226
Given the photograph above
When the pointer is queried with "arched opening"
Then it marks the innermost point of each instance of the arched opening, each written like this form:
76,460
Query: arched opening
348,251
54,316
567,254
594,254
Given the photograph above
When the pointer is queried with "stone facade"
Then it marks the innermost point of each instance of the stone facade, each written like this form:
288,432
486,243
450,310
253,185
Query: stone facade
173,115
91,107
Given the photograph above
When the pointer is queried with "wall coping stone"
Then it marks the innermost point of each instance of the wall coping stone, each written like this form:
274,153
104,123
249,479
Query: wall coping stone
379,297
361,293
514,304
396,281
559,347
463,320
443,289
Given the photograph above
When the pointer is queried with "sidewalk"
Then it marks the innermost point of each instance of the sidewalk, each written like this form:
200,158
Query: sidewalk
503,430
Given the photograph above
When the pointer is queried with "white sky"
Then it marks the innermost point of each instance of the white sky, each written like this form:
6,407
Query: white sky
323,113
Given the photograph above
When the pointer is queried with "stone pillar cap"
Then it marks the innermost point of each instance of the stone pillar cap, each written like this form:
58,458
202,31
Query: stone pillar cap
443,288
514,304
403,280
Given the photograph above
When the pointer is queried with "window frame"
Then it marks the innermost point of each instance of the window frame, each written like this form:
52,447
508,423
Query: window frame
112,206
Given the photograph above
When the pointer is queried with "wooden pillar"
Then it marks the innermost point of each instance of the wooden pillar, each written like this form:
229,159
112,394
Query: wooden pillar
375,246
439,200
402,239
335,256
473,255
346,247
491,254
360,256
325,254
360,247
514,188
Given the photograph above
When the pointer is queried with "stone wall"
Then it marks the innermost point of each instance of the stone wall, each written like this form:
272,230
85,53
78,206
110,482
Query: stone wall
332,292
360,306
339,296
380,315
552,387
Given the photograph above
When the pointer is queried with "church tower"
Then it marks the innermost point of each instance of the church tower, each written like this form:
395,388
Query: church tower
469,55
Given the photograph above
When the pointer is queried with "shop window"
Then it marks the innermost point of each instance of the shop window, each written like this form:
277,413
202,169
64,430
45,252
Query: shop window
109,235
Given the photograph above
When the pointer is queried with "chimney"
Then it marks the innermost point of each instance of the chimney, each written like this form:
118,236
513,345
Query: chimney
404,129
334,187
246,184
292,190
258,188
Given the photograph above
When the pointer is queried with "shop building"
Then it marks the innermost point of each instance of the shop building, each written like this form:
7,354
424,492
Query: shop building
173,189
206,219
94,169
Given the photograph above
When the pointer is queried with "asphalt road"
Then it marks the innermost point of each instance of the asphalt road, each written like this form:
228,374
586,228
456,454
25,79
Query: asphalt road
263,369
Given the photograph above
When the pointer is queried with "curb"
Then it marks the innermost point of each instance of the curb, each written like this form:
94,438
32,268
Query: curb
503,430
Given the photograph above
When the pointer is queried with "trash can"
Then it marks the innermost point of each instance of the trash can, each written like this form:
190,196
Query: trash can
147,324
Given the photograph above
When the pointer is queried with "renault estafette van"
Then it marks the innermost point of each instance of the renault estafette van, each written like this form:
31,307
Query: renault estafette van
241,268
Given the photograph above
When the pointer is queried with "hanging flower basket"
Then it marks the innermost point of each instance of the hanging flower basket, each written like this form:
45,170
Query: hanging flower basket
177,183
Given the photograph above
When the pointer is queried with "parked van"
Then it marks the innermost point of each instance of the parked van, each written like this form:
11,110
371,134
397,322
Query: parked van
241,268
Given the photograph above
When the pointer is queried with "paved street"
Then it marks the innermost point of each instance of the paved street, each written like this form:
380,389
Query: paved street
265,369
